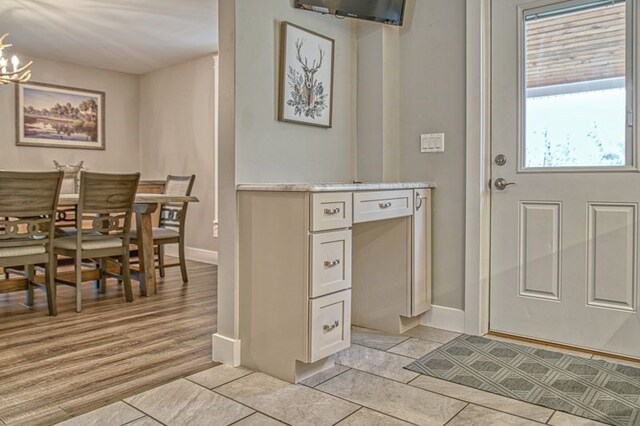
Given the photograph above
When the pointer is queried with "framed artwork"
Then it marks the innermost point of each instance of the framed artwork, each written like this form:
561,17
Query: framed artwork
59,117
306,77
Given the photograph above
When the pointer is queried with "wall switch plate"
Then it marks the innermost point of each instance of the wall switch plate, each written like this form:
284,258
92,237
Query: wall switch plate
432,142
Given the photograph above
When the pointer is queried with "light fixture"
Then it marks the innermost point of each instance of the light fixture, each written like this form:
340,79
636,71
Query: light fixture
16,73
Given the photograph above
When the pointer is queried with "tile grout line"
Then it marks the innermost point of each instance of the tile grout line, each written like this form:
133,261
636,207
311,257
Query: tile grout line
409,383
456,415
397,344
330,378
238,402
349,415
481,405
361,406
145,413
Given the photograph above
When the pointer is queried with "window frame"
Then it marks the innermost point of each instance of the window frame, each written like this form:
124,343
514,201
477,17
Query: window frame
631,83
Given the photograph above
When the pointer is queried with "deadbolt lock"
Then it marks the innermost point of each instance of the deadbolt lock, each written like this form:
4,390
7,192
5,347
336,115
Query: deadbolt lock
501,159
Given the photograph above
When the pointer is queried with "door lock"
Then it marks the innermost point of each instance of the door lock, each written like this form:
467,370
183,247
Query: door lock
501,160
501,184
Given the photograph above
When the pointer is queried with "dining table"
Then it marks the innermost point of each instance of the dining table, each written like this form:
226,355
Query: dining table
143,207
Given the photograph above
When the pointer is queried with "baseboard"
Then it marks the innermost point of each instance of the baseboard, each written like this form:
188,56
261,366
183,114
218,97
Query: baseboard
226,351
444,318
195,254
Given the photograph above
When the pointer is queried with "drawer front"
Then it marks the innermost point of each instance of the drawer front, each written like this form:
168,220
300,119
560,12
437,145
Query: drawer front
331,211
330,262
330,324
378,205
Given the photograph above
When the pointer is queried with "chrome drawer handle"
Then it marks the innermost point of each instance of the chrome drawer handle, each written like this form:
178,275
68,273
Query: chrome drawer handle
332,211
331,264
329,327
385,205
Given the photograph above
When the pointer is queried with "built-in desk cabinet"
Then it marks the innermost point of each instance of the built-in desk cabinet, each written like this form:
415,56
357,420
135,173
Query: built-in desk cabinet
300,285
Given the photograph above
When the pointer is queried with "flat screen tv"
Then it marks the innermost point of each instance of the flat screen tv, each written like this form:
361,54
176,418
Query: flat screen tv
385,11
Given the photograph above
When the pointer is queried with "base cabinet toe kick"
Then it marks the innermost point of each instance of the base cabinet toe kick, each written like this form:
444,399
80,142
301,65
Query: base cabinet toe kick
315,260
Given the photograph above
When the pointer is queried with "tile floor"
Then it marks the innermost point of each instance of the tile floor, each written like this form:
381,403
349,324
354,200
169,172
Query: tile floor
368,387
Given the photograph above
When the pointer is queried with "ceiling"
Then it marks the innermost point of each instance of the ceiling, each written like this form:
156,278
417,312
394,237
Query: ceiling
132,36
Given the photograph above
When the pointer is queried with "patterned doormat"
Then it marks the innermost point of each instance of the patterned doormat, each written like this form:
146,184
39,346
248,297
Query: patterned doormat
598,390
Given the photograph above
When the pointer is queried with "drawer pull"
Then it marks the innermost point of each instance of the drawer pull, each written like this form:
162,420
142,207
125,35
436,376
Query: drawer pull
329,327
331,264
332,212
385,205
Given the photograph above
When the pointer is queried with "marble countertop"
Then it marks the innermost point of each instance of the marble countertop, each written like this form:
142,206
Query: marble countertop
332,187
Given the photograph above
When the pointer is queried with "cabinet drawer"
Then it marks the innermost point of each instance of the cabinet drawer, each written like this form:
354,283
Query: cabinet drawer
378,205
330,324
330,262
331,211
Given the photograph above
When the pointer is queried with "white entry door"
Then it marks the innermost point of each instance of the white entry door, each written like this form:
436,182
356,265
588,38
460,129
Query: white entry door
565,182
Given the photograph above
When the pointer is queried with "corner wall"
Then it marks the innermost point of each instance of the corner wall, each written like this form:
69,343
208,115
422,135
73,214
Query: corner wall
177,134
253,145
433,100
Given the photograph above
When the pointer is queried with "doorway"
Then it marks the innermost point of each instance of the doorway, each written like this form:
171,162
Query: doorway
565,183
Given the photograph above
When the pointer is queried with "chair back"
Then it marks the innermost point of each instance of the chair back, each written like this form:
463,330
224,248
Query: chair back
28,202
70,185
173,215
71,180
105,205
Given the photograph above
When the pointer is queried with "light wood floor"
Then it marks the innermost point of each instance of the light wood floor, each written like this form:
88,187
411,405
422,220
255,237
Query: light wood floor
52,369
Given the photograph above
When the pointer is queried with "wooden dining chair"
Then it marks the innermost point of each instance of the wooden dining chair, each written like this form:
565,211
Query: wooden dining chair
28,204
103,223
171,226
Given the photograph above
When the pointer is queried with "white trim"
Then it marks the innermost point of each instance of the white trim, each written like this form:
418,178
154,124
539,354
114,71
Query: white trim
195,254
478,168
444,318
225,350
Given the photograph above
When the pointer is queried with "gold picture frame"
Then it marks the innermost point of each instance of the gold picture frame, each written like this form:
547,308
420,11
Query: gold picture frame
54,116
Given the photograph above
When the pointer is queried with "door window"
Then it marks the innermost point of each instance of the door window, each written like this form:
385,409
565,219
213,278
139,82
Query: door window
577,85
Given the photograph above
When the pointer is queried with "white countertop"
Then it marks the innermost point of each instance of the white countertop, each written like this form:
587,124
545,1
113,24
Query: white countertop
332,187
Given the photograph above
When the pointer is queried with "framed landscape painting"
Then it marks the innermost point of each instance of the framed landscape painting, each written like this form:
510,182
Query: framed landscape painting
59,117
306,77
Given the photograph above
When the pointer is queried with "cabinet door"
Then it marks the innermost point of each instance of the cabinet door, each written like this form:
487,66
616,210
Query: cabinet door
422,271
330,324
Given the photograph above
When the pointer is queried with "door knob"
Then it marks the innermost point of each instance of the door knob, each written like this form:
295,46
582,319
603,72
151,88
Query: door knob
501,184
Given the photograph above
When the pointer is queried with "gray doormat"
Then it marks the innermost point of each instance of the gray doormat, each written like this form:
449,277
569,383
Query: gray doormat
598,390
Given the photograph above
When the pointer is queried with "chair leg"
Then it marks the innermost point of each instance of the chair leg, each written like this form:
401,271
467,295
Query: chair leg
30,277
102,288
126,278
161,260
78,284
50,282
183,262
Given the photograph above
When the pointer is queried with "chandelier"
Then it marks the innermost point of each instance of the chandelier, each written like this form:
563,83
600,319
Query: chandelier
14,73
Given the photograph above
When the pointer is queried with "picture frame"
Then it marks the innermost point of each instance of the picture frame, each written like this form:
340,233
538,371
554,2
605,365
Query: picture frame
54,116
306,77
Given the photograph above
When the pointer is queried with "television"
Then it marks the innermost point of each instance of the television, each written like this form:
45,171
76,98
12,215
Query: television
385,11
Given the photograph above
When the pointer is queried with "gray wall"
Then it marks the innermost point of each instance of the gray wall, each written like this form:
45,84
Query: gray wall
177,135
432,61
271,151
123,150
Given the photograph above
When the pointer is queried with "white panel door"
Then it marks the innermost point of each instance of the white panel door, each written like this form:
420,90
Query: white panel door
565,184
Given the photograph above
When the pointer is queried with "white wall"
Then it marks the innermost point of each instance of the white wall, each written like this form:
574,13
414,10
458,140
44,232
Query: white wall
432,69
273,151
177,137
122,149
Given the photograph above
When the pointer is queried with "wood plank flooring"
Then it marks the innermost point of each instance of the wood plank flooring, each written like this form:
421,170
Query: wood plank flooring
52,369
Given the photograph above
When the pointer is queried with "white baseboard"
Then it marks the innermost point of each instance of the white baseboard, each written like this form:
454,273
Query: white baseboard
195,254
444,318
226,351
